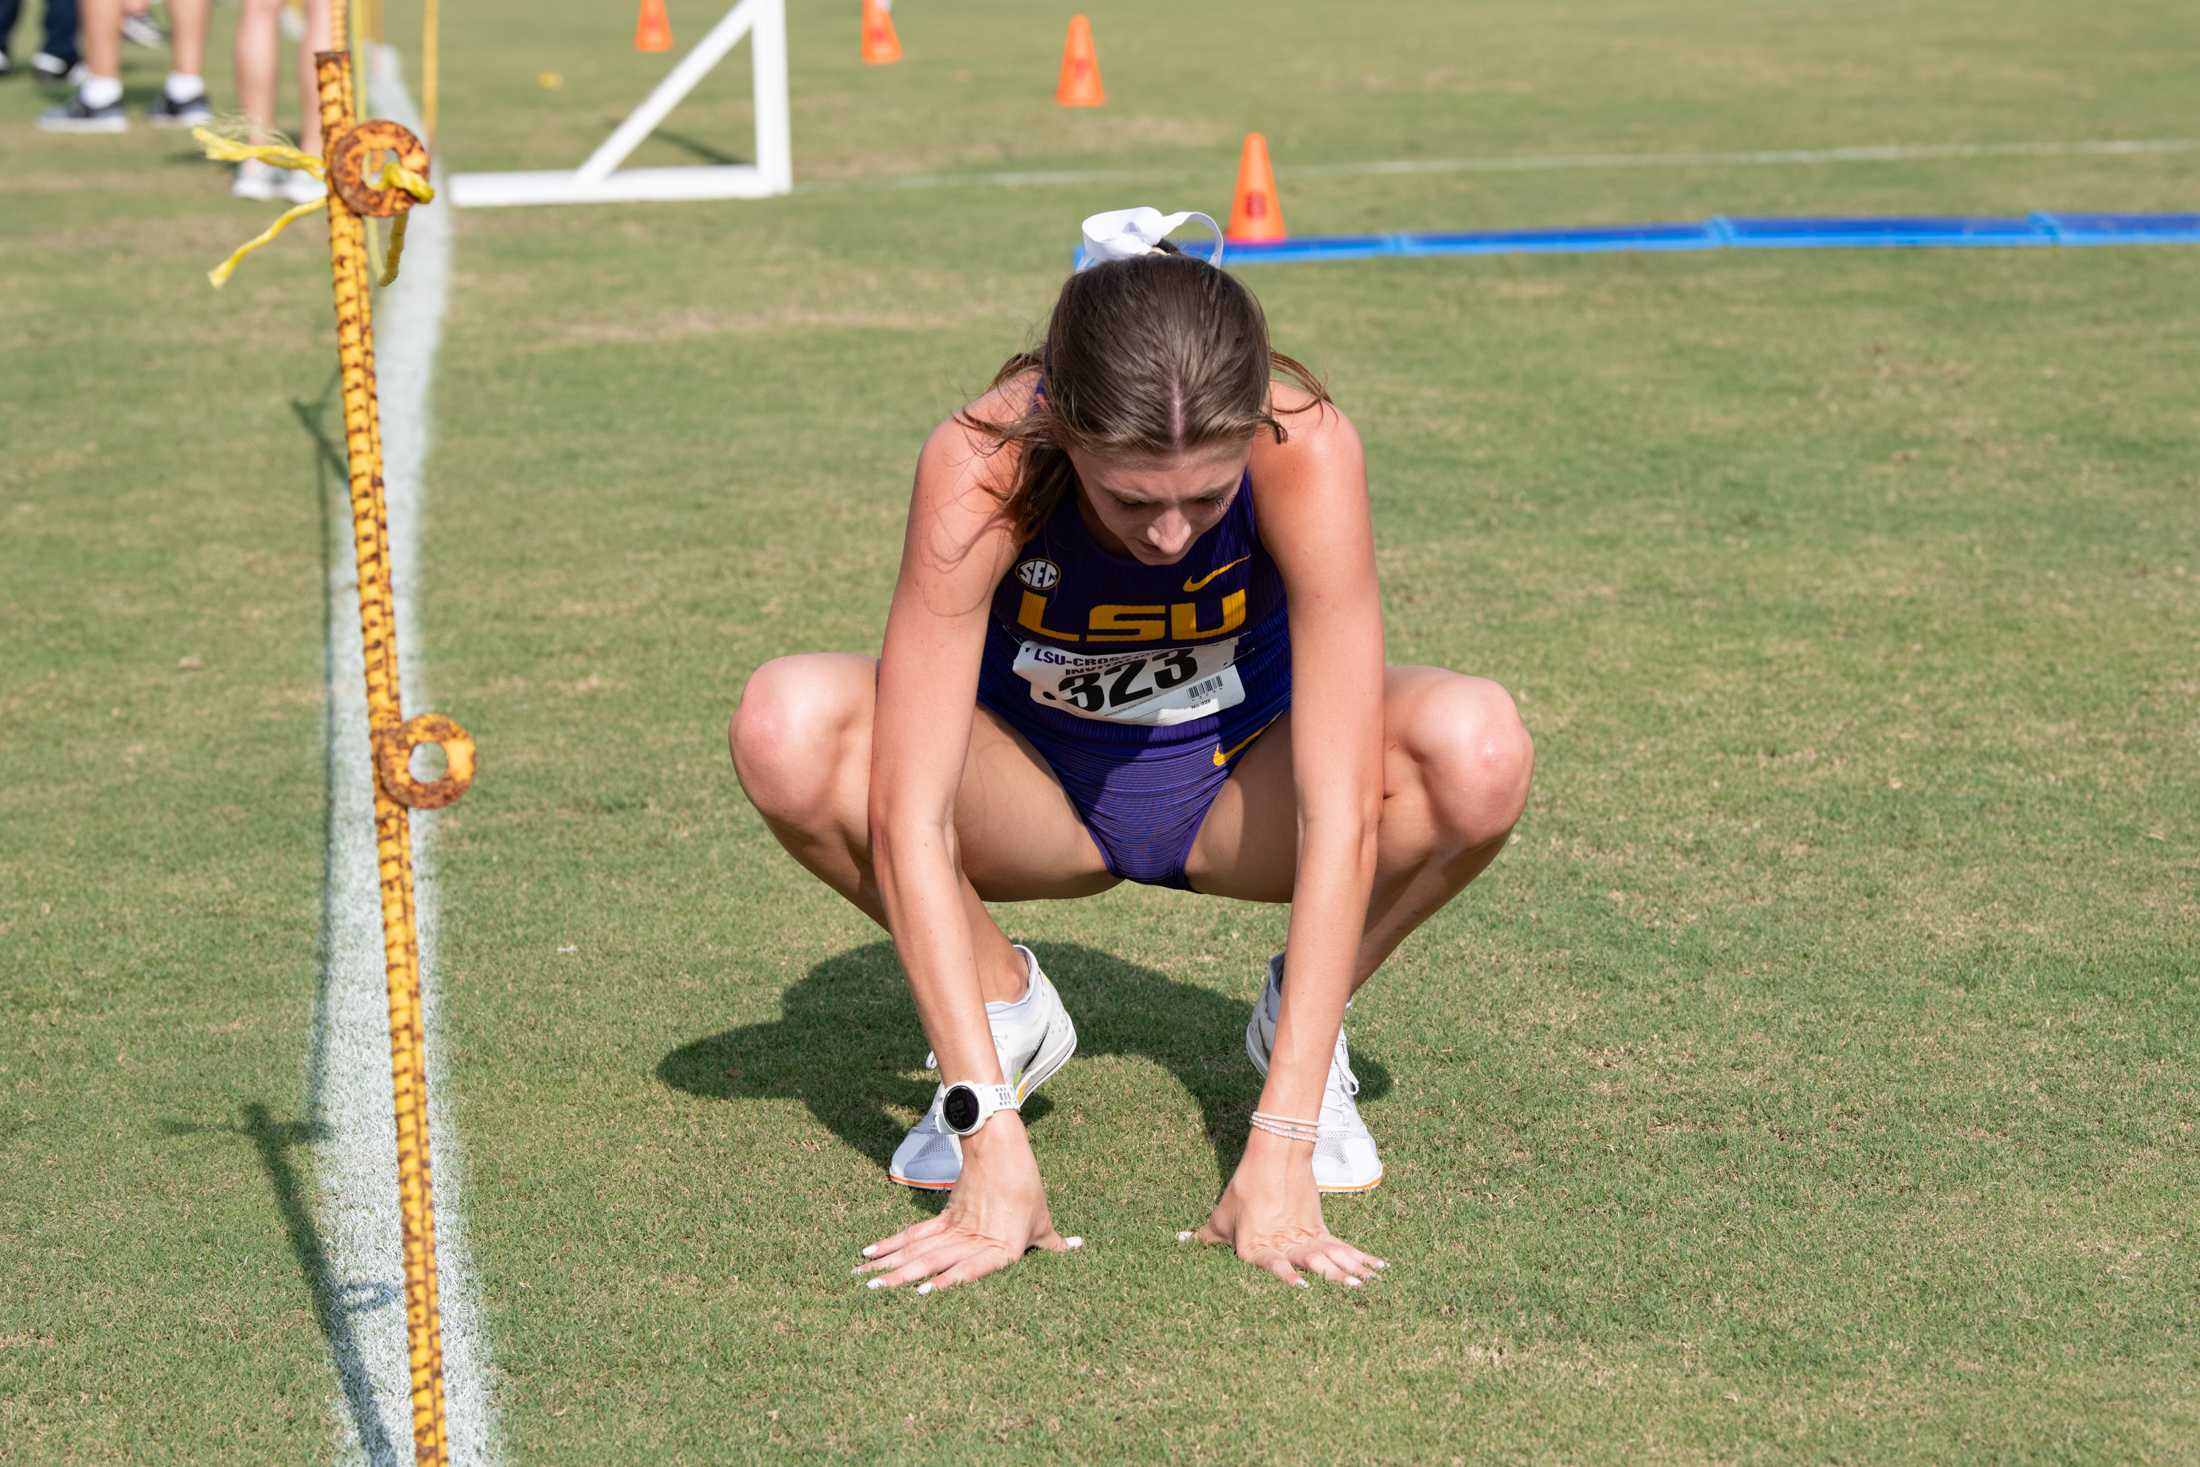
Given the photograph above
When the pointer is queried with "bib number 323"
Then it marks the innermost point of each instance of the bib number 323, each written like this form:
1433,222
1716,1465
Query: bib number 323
1174,685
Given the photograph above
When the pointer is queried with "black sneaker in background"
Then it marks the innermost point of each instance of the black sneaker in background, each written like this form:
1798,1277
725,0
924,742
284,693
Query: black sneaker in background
166,111
74,116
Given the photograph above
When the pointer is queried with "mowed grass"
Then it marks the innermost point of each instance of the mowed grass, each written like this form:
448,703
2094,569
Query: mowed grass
1812,1079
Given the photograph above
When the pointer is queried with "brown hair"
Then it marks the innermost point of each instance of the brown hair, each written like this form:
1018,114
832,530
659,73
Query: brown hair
1148,357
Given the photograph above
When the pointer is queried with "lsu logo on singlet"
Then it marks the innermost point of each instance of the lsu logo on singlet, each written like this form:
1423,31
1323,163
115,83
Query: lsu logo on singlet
1112,621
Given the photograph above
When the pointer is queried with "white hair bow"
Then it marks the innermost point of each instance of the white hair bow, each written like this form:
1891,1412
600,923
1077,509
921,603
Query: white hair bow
1121,234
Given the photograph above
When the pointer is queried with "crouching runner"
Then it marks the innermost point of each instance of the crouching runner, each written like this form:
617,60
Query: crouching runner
1136,636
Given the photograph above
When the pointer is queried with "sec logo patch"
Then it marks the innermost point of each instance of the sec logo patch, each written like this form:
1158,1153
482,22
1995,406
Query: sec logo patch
1039,575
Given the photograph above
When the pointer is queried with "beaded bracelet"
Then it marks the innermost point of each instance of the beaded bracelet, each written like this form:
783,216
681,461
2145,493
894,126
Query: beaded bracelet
1285,1126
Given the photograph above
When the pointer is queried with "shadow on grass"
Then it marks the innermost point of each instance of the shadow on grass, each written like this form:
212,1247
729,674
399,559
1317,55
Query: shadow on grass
331,480
334,1302
849,1038
696,148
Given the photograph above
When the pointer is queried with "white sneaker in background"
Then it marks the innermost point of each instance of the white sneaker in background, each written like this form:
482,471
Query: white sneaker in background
300,187
143,30
1033,1037
1345,1159
256,180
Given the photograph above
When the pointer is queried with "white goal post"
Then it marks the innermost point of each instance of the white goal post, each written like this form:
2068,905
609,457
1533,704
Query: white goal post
599,181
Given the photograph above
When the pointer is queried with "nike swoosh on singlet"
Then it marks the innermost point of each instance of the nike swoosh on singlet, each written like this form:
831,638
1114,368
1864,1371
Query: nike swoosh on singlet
1224,756
1191,586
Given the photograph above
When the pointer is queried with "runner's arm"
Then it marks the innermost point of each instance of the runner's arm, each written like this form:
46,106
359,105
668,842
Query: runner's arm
1315,521
953,554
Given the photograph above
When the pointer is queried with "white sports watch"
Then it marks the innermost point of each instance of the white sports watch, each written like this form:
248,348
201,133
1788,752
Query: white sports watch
964,1108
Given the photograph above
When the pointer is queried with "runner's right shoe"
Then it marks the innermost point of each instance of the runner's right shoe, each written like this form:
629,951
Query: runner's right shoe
1033,1036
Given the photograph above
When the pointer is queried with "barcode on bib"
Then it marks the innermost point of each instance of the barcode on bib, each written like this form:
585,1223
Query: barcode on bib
1202,689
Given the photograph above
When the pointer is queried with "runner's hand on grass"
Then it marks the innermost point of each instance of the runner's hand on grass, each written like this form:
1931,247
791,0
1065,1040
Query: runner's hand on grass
997,1214
1271,1214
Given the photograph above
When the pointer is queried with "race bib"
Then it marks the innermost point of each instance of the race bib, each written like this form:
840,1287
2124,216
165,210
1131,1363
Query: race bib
1174,685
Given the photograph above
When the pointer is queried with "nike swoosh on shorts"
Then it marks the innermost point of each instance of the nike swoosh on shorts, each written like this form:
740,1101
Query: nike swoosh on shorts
1224,756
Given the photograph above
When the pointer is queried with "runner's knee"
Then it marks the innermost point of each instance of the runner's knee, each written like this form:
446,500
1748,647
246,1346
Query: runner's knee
787,739
1474,757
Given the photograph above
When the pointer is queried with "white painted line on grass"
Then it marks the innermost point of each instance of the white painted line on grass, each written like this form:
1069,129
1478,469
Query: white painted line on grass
357,1182
1540,163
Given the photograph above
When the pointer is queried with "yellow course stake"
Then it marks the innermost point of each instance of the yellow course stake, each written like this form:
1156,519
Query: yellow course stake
357,187
379,168
430,66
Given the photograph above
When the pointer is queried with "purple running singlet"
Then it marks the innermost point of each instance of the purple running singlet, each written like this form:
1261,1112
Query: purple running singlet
1140,685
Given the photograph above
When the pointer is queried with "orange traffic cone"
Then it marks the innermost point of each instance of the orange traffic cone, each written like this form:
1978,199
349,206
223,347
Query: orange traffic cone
1255,215
881,47
1080,83
653,30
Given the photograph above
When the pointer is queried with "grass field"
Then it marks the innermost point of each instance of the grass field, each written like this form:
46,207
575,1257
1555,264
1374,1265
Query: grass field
1813,1080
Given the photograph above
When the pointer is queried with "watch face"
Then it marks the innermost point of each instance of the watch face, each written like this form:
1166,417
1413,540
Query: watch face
960,1109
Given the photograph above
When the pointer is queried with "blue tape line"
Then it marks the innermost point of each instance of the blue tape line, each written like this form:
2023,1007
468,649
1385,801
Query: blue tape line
1909,233
1722,232
2097,229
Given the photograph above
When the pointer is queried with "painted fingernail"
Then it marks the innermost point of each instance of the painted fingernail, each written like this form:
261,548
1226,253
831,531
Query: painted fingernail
924,1288
870,1251
856,1272
1302,1283
875,1283
1185,1236
1351,1283
1380,1264
1073,1242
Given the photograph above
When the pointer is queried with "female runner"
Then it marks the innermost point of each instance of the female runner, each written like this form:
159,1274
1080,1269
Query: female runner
1136,636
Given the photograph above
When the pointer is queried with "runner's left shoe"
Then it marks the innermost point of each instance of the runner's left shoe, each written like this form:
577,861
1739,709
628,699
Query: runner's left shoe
1345,1159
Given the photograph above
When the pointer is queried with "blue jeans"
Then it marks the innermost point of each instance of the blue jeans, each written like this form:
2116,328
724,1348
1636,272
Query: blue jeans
60,27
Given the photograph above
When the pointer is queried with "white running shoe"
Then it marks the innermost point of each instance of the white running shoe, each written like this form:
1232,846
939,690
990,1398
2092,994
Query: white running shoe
1033,1036
1344,1158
